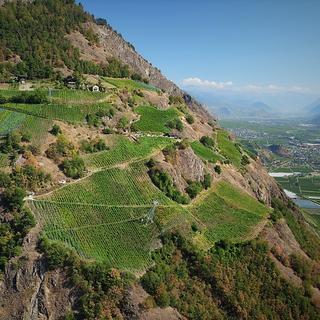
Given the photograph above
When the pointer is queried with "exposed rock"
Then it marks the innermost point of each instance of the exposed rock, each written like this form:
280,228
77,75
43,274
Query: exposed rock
187,166
30,292
134,307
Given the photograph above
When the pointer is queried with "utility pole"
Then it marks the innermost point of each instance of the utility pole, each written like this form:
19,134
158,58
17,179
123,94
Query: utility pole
149,218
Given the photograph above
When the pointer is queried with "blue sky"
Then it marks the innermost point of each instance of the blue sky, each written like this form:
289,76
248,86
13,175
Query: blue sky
232,47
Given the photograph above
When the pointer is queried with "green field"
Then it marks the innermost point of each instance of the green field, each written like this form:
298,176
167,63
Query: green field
129,84
228,148
9,121
229,213
68,113
205,153
125,150
153,119
100,216
308,186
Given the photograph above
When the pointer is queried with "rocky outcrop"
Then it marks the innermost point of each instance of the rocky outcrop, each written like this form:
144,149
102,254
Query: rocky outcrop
30,292
185,166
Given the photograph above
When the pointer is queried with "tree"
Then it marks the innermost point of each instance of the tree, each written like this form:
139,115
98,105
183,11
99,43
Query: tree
207,180
194,188
207,141
13,198
189,118
56,130
74,168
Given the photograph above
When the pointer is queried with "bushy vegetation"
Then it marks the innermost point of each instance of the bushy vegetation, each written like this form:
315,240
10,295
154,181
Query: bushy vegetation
74,167
164,182
229,282
95,145
36,97
207,141
40,46
101,289
308,240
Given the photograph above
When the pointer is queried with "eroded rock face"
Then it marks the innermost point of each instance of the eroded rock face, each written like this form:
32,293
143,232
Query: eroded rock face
30,292
186,166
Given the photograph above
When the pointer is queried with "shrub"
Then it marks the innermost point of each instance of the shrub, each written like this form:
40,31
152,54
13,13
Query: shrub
13,198
245,160
175,100
164,182
190,119
5,180
56,130
217,169
107,131
93,146
123,123
207,181
207,141
74,168
194,188
175,124
3,100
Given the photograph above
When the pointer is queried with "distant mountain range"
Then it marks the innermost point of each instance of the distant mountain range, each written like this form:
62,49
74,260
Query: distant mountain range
241,108
313,111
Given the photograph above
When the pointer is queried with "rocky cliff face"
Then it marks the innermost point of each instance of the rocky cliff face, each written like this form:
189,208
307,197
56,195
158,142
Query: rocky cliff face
31,292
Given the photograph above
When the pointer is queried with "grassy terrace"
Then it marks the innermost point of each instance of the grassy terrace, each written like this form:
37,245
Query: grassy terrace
153,119
125,150
229,213
228,148
205,153
129,84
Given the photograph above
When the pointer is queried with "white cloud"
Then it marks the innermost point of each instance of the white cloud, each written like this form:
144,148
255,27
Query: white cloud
229,85
196,82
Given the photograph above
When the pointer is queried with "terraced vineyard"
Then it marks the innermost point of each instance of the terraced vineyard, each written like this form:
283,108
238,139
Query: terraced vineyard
153,119
125,150
10,121
129,84
100,216
229,213
68,113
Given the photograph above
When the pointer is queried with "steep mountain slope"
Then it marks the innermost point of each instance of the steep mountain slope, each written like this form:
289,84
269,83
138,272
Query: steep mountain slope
144,208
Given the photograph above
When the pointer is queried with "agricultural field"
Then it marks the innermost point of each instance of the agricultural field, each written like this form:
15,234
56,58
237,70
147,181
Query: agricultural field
65,96
205,153
153,119
125,150
9,121
228,148
308,186
229,214
129,84
101,216
68,113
